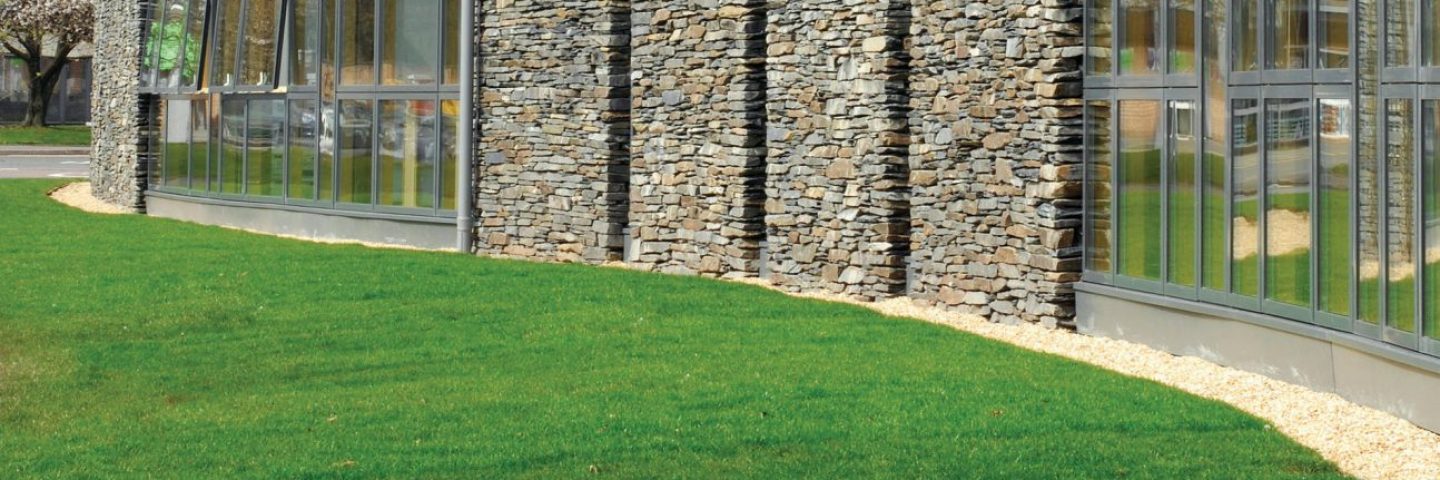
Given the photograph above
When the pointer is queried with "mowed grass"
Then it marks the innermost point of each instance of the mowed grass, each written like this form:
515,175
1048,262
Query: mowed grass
65,135
139,347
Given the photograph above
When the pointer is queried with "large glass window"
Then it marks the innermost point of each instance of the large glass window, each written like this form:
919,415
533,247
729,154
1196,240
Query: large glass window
1288,35
200,138
305,43
1333,37
176,123
225,59
261,42
357,48
1140,194
409,151
1245,199
1398,38
1430,163
232,146
1140,37
357,127
303,139
325,172
1401,231
1182,36
1182,199
452,42
1287,201
410,42
1333,219
1212,194
450,153
1100,154
1246,54
265,148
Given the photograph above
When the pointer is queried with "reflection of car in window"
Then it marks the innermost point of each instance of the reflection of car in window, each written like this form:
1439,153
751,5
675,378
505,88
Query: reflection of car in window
353,119
419,114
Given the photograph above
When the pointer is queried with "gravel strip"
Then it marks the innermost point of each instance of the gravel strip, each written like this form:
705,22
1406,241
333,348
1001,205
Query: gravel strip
1362,441
78,195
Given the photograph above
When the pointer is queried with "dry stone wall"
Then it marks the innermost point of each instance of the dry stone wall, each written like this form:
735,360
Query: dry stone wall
553,140
698,153
997,156
838,182
116,173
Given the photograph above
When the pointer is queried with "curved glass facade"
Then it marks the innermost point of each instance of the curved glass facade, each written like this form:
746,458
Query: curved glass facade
344,105
1289,168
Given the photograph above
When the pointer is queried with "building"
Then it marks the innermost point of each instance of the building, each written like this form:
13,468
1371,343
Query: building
1168,173
69,105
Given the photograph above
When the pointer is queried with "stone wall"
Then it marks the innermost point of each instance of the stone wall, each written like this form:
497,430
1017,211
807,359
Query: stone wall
698,155
116,173
838,182
553,140
997,156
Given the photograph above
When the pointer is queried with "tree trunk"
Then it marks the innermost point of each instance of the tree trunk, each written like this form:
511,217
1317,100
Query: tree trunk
42,86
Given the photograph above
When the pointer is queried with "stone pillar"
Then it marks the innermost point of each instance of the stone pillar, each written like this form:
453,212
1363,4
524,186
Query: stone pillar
838,194
998,140
553,159
116,174
698,155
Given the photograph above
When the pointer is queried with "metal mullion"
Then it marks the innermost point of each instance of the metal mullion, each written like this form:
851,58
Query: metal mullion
374,151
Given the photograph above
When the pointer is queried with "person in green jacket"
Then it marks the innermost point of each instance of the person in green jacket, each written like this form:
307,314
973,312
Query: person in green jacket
168,38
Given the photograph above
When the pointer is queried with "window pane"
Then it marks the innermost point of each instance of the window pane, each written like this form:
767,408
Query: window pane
1182,36
328,52
357,24
1334,216
408,153
1400,222
1140,203
304,132
356,129
305,44
450,151
1398,14
410,47
176,123
1182,193
232,145
169,41
1245,200
262,21
150,22
265,142
452,42
226,50
194,43
1140,37
1247,33
1100,32
1431,169
200,138
1212,198
1333,39
1430,45
1287,200
1098,160
1289,34
326,170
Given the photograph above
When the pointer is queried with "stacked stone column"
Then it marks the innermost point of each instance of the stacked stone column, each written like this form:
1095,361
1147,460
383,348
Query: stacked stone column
553,139
116,175
698,157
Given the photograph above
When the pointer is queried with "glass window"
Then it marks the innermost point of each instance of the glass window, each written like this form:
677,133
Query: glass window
168,42
1182,204
304,132
1100,31
1099,160
1400,222
262,22
328,51
1430,45
1287,201
1140,205
1247,33
1289,34
305,43
194,43
355,149
1245,200
1212,194
452,42
1398,14
225,57
1333,37
176,123
358,44
232,145
1334,247
1182,36
200,139
410,45
450,153
150,23
1430,160
265,148
1140,37
409,152
325,172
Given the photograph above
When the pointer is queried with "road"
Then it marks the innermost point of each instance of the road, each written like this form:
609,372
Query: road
44,166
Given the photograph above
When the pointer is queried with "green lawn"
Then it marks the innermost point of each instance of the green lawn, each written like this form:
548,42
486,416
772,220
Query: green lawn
67,136
132,346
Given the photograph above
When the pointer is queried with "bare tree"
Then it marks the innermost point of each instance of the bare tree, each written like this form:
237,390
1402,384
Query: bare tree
29,28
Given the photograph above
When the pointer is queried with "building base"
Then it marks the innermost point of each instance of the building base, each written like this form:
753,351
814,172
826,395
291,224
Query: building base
1362,370
419,232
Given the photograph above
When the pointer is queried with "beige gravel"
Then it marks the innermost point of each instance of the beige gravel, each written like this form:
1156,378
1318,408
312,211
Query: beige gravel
1362,441
78,195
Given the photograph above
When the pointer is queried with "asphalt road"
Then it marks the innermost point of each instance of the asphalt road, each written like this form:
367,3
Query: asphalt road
44,166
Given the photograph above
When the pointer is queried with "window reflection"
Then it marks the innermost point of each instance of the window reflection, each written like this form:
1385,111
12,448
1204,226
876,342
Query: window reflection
1182,36
355,148
452,41
1246,54
1334,216
226,53
358,44
176,125
262,20
450,153
1098,210
265,148
409,151
194,43
1140,204
232,145
200,139
1245,200
1140,37
1182,199
410,42
1400,222
1430,168
305,45
168,43
1287,201
1398,14
304,134
1333,37
1289,34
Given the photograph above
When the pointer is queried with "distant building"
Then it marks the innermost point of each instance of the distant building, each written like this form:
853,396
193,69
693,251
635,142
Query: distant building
71,102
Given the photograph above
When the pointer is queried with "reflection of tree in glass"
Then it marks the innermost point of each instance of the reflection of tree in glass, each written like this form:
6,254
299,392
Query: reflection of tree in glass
168,40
